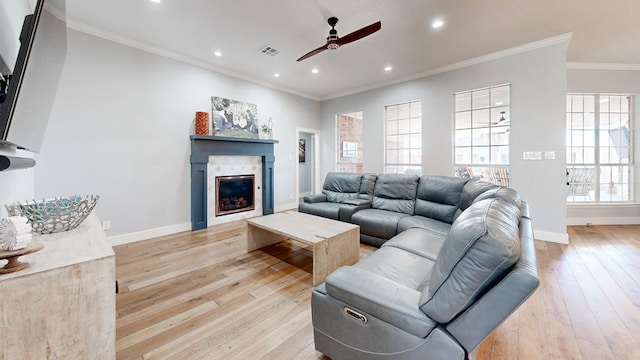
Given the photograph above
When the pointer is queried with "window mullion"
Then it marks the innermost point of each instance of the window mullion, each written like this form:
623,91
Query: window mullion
596,149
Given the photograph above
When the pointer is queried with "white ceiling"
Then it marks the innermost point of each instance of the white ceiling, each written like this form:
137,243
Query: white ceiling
603,32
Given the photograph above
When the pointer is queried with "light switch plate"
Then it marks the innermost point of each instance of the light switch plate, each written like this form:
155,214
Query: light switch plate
549,155
532,155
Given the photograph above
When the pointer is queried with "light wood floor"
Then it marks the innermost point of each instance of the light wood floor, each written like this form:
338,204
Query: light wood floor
197,295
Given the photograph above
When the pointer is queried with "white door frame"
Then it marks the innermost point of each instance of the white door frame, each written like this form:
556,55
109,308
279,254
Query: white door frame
316,160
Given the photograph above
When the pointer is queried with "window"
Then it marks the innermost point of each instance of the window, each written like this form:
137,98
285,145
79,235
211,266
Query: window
481,134
599,148
349,142
403,138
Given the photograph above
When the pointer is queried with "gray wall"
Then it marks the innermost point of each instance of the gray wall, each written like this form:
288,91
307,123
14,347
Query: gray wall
121,122
538,87
120,128
616,82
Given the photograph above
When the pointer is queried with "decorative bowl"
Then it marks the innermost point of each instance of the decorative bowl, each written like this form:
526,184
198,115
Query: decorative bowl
55,215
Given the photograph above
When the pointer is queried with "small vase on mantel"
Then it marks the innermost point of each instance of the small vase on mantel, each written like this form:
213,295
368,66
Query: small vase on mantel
267,130
202,123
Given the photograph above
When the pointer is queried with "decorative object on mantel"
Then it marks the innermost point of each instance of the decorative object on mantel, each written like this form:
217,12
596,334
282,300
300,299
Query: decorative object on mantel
267,129
57,214
15,233
202,123
13,264
233,118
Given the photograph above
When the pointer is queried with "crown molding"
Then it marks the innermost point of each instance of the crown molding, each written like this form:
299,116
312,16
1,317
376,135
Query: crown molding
602,66
88,29
564,38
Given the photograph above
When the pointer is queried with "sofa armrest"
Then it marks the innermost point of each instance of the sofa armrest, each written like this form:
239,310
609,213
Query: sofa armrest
315,198
350,207
379,297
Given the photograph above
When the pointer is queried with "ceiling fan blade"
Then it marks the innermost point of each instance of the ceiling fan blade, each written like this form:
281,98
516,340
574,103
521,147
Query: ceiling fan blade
359,34
313,52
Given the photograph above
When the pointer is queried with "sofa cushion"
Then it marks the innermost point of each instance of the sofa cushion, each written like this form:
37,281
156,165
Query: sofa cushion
481,246
438,197
421,242
378,223
402,267
502,193
471,190
367,185
422,222
325,209
339,187
395,192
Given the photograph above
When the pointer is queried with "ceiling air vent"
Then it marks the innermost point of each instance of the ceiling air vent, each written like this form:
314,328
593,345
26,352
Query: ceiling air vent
268,50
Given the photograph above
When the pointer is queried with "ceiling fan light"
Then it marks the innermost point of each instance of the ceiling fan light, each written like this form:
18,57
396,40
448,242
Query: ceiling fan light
333,46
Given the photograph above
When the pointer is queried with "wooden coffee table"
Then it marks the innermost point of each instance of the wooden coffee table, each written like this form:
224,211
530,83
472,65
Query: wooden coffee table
335,243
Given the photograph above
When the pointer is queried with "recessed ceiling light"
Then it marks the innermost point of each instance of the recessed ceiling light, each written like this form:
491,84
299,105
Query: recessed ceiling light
315,70
437,24
276,75
388,68
217,53
155,1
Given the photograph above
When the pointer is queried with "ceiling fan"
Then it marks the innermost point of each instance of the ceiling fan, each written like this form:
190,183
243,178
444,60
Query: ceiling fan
501,120
334,41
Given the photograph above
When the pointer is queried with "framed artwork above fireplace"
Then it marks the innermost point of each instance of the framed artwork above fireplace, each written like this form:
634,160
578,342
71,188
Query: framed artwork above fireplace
233,118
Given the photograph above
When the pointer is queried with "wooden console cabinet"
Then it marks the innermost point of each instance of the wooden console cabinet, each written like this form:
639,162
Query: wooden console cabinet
63,305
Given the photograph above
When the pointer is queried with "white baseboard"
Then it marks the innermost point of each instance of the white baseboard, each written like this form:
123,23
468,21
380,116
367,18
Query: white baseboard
172,229
560,238
148,234
285,207
633,220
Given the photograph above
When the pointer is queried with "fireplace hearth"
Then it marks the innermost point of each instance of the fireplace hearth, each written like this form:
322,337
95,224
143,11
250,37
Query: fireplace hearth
234,194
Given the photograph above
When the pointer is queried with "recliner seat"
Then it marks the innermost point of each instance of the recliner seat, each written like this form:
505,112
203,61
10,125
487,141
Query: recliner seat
424,297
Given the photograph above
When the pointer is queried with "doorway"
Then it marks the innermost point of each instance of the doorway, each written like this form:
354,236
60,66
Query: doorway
307,171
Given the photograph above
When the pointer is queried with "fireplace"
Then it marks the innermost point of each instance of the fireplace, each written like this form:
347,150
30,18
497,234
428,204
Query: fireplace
203,148
234,194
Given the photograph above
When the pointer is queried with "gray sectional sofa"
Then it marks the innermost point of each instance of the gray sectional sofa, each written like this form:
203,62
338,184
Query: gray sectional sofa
456,258
342,195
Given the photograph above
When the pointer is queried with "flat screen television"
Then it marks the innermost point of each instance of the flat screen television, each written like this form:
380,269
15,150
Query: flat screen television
28,98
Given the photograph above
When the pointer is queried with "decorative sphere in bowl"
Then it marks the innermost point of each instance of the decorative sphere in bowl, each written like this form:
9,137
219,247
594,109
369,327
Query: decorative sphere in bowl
55,215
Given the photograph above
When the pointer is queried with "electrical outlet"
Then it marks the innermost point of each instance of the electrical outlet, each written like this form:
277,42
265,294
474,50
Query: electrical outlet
290,196
106,225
